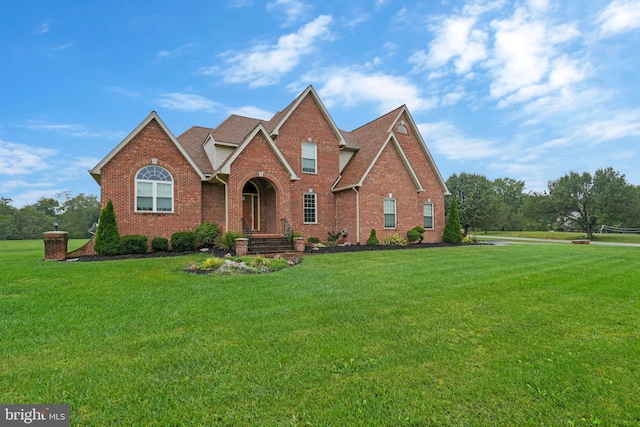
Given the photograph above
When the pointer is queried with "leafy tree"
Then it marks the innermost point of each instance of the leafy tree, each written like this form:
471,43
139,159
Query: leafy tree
511,197
107,240
8,228
32,223
538,213
47,206
476,200
452,232
78,214
587,201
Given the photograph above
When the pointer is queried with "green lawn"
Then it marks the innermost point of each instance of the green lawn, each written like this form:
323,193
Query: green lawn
555,235
540,335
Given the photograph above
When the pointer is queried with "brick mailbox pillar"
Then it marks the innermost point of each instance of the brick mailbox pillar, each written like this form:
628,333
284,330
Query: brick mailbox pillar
55,245
242,246
298,244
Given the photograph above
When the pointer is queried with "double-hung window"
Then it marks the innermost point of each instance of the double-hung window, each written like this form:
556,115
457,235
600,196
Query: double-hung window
309,158
428,216
389,213
310,208
154,190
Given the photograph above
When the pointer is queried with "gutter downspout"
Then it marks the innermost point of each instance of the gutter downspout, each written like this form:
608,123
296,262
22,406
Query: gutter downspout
226,204
357,214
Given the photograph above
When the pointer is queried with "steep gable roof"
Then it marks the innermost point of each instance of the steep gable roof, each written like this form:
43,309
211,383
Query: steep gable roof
96,171
192,140
225,168
281,117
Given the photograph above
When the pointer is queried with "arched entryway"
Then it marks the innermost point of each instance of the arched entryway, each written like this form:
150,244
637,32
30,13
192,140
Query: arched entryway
259,206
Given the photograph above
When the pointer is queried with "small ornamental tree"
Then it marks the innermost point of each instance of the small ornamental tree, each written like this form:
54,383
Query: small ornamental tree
107,236
452,232
373,239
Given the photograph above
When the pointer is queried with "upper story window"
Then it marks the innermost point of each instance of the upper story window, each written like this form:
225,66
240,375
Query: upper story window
309,157
154,190
390,213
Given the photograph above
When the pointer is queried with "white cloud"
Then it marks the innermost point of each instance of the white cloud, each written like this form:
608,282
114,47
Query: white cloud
251,111
42,29
619,16
75,130
174,53
20,159
187,102
455,39
351,86
265,64
293,10
624,124
444,138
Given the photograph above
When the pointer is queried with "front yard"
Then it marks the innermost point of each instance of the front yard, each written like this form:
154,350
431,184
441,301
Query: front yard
472,335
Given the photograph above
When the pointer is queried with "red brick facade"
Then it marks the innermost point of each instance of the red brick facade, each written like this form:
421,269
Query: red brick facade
390,161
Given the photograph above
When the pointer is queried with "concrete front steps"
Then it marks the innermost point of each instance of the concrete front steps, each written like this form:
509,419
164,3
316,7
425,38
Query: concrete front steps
269,245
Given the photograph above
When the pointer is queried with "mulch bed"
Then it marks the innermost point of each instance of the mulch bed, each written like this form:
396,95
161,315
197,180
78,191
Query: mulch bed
309,250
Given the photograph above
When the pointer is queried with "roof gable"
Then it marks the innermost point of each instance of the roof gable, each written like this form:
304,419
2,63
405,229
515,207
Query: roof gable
96,171
225,168
280,118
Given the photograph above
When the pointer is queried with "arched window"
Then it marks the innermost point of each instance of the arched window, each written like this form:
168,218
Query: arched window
154,190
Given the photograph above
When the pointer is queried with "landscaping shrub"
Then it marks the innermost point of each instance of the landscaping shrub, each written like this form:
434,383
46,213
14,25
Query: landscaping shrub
212,263
373,240
107,240
313,240
160,244
259,261
394,240
452,232
416,233
183,241
227,241
134,244
293,234
206,234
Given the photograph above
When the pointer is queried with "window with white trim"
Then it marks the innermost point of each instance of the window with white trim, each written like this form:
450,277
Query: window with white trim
154,190
309,157
310,207
389,213
428,216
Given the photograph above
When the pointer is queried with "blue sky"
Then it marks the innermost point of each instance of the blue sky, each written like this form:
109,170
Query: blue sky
528,90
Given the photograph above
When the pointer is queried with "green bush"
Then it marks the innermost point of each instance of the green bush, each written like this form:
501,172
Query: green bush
313,240
394,240
206,234
107,240
373,240
227,241
293,234
416,233
212,263
183,241
160,244
452,232
259,261
134,244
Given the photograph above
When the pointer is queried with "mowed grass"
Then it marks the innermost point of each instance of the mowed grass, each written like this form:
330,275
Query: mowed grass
541,335
566,235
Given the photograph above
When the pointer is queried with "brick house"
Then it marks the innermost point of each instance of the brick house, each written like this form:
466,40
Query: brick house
251,175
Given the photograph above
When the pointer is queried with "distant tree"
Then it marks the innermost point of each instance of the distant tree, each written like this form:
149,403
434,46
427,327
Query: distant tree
538,213
78,214
47,206
32,223
8,228
476,198
511,198
588,201
107,240
452,232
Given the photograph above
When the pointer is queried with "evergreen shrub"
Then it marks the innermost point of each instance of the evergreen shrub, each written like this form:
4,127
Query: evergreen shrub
160,244
134,244
394,240
107,241
183,241
206,234
452,232
373,240
227,241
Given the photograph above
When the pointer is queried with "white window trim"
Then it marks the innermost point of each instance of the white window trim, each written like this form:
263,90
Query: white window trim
315,157
433,223
395,214
154,193
315,208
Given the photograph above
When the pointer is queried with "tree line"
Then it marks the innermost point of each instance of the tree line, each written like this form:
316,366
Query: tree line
574,202
74,215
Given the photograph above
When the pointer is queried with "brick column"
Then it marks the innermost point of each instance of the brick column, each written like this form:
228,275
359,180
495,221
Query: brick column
242,246
55,245
298,244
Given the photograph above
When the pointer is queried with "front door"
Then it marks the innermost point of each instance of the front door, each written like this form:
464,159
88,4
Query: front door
251,205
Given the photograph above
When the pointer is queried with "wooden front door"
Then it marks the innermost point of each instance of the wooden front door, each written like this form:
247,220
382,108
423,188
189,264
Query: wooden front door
249,209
